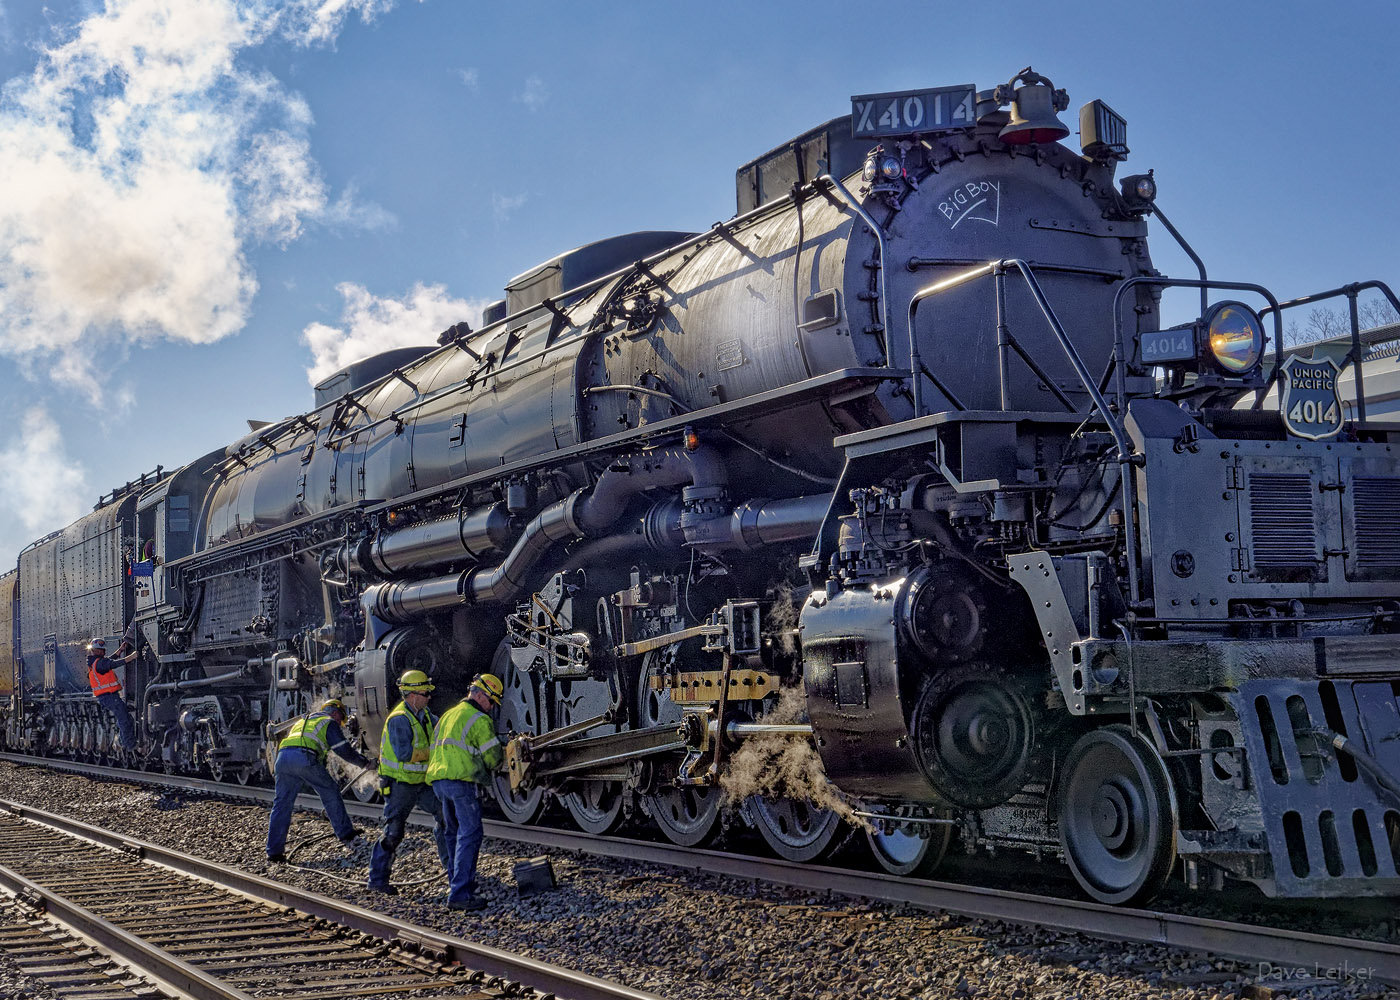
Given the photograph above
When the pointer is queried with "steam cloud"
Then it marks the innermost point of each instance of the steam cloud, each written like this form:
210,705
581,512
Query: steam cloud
784,767
369,324
141,162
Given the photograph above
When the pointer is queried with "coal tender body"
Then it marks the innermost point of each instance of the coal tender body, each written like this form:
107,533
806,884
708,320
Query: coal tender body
898,468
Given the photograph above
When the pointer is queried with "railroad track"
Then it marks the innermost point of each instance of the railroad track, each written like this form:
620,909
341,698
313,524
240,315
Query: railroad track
50,955
1227,939
215,933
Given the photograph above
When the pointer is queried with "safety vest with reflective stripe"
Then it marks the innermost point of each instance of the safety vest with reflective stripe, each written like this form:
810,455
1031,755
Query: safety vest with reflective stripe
465,747
310,732
104,682
400,770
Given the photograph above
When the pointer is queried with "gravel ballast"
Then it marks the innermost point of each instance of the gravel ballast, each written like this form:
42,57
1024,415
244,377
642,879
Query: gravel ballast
680,934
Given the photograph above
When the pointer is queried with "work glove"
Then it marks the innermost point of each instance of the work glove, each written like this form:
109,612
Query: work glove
420,755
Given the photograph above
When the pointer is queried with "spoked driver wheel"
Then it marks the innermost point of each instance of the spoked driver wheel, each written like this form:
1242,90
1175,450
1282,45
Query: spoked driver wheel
1117,816
794,828
687,816
596,806
519,712
905,852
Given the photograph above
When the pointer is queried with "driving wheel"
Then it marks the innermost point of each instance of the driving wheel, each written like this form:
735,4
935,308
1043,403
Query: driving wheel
520,712
687,816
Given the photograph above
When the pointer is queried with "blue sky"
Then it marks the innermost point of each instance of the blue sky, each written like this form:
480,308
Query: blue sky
202,201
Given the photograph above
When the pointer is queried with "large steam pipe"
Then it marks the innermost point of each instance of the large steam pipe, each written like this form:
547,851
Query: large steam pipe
582,514
754,524
193,682
471,535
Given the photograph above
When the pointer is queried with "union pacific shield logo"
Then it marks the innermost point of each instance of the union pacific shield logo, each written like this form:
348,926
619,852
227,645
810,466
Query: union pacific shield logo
1312,404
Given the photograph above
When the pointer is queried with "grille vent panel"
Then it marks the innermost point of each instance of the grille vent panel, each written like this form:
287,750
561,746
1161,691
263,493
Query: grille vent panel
1282,521
1376,503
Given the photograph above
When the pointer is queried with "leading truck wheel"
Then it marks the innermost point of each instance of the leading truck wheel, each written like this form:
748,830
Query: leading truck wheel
519,712
905,852
1117,816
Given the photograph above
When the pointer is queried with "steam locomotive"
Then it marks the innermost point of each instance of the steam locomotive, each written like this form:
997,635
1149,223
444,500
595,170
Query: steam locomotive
894,478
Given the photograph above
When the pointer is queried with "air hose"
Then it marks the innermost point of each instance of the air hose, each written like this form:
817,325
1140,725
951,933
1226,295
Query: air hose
1363,760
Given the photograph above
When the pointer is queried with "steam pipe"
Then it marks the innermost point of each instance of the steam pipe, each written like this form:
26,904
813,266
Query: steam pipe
582,514
193,682
741,730
754,524
471,535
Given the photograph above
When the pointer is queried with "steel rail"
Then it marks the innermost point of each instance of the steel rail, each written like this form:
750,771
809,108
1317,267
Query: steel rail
1281,947
544,977
143,956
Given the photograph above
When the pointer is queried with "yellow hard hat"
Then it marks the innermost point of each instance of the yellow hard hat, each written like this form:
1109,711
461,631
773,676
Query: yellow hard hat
415,681
334,705
491,685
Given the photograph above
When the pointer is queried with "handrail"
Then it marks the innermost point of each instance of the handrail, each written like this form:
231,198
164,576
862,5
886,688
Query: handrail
1119,365
1354,356
1126,459
998,269
865,216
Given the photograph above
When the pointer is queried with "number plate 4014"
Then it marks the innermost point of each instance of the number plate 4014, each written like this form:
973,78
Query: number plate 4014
910,112
1312,402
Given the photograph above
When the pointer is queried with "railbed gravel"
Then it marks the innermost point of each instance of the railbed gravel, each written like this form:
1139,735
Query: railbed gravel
682,935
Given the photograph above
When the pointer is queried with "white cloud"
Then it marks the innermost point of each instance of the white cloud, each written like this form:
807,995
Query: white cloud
349,212
535,93
502,205
142,162
313,22
42,488
369,325
471,79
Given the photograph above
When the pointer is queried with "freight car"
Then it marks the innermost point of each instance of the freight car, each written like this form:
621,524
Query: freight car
898,471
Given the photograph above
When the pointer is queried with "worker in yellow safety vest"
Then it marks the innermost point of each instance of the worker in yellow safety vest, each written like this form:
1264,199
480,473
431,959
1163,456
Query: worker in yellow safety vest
403,772
465,753
301,761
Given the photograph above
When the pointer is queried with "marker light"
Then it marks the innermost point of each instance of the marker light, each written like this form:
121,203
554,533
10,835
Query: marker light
1235,337
890,168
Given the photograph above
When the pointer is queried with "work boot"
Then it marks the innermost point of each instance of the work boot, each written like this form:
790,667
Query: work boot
470,903
277,859
350,839
383,888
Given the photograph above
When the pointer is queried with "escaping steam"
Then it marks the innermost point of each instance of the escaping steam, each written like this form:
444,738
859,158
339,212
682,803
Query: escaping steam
784,766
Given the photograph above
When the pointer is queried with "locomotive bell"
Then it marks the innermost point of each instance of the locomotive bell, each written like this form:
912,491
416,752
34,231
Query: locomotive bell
1033,108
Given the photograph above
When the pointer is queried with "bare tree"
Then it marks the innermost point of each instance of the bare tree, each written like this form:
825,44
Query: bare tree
1324,323
1377,312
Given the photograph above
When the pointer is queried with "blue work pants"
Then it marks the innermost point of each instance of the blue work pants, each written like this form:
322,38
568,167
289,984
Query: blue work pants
296,768
461,816
116,707
403,796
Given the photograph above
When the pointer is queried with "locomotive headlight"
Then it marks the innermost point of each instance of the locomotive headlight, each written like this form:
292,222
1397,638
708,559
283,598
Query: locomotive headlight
881,166
1235,337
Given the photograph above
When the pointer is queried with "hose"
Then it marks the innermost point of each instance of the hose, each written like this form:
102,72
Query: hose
1363,760
317,838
